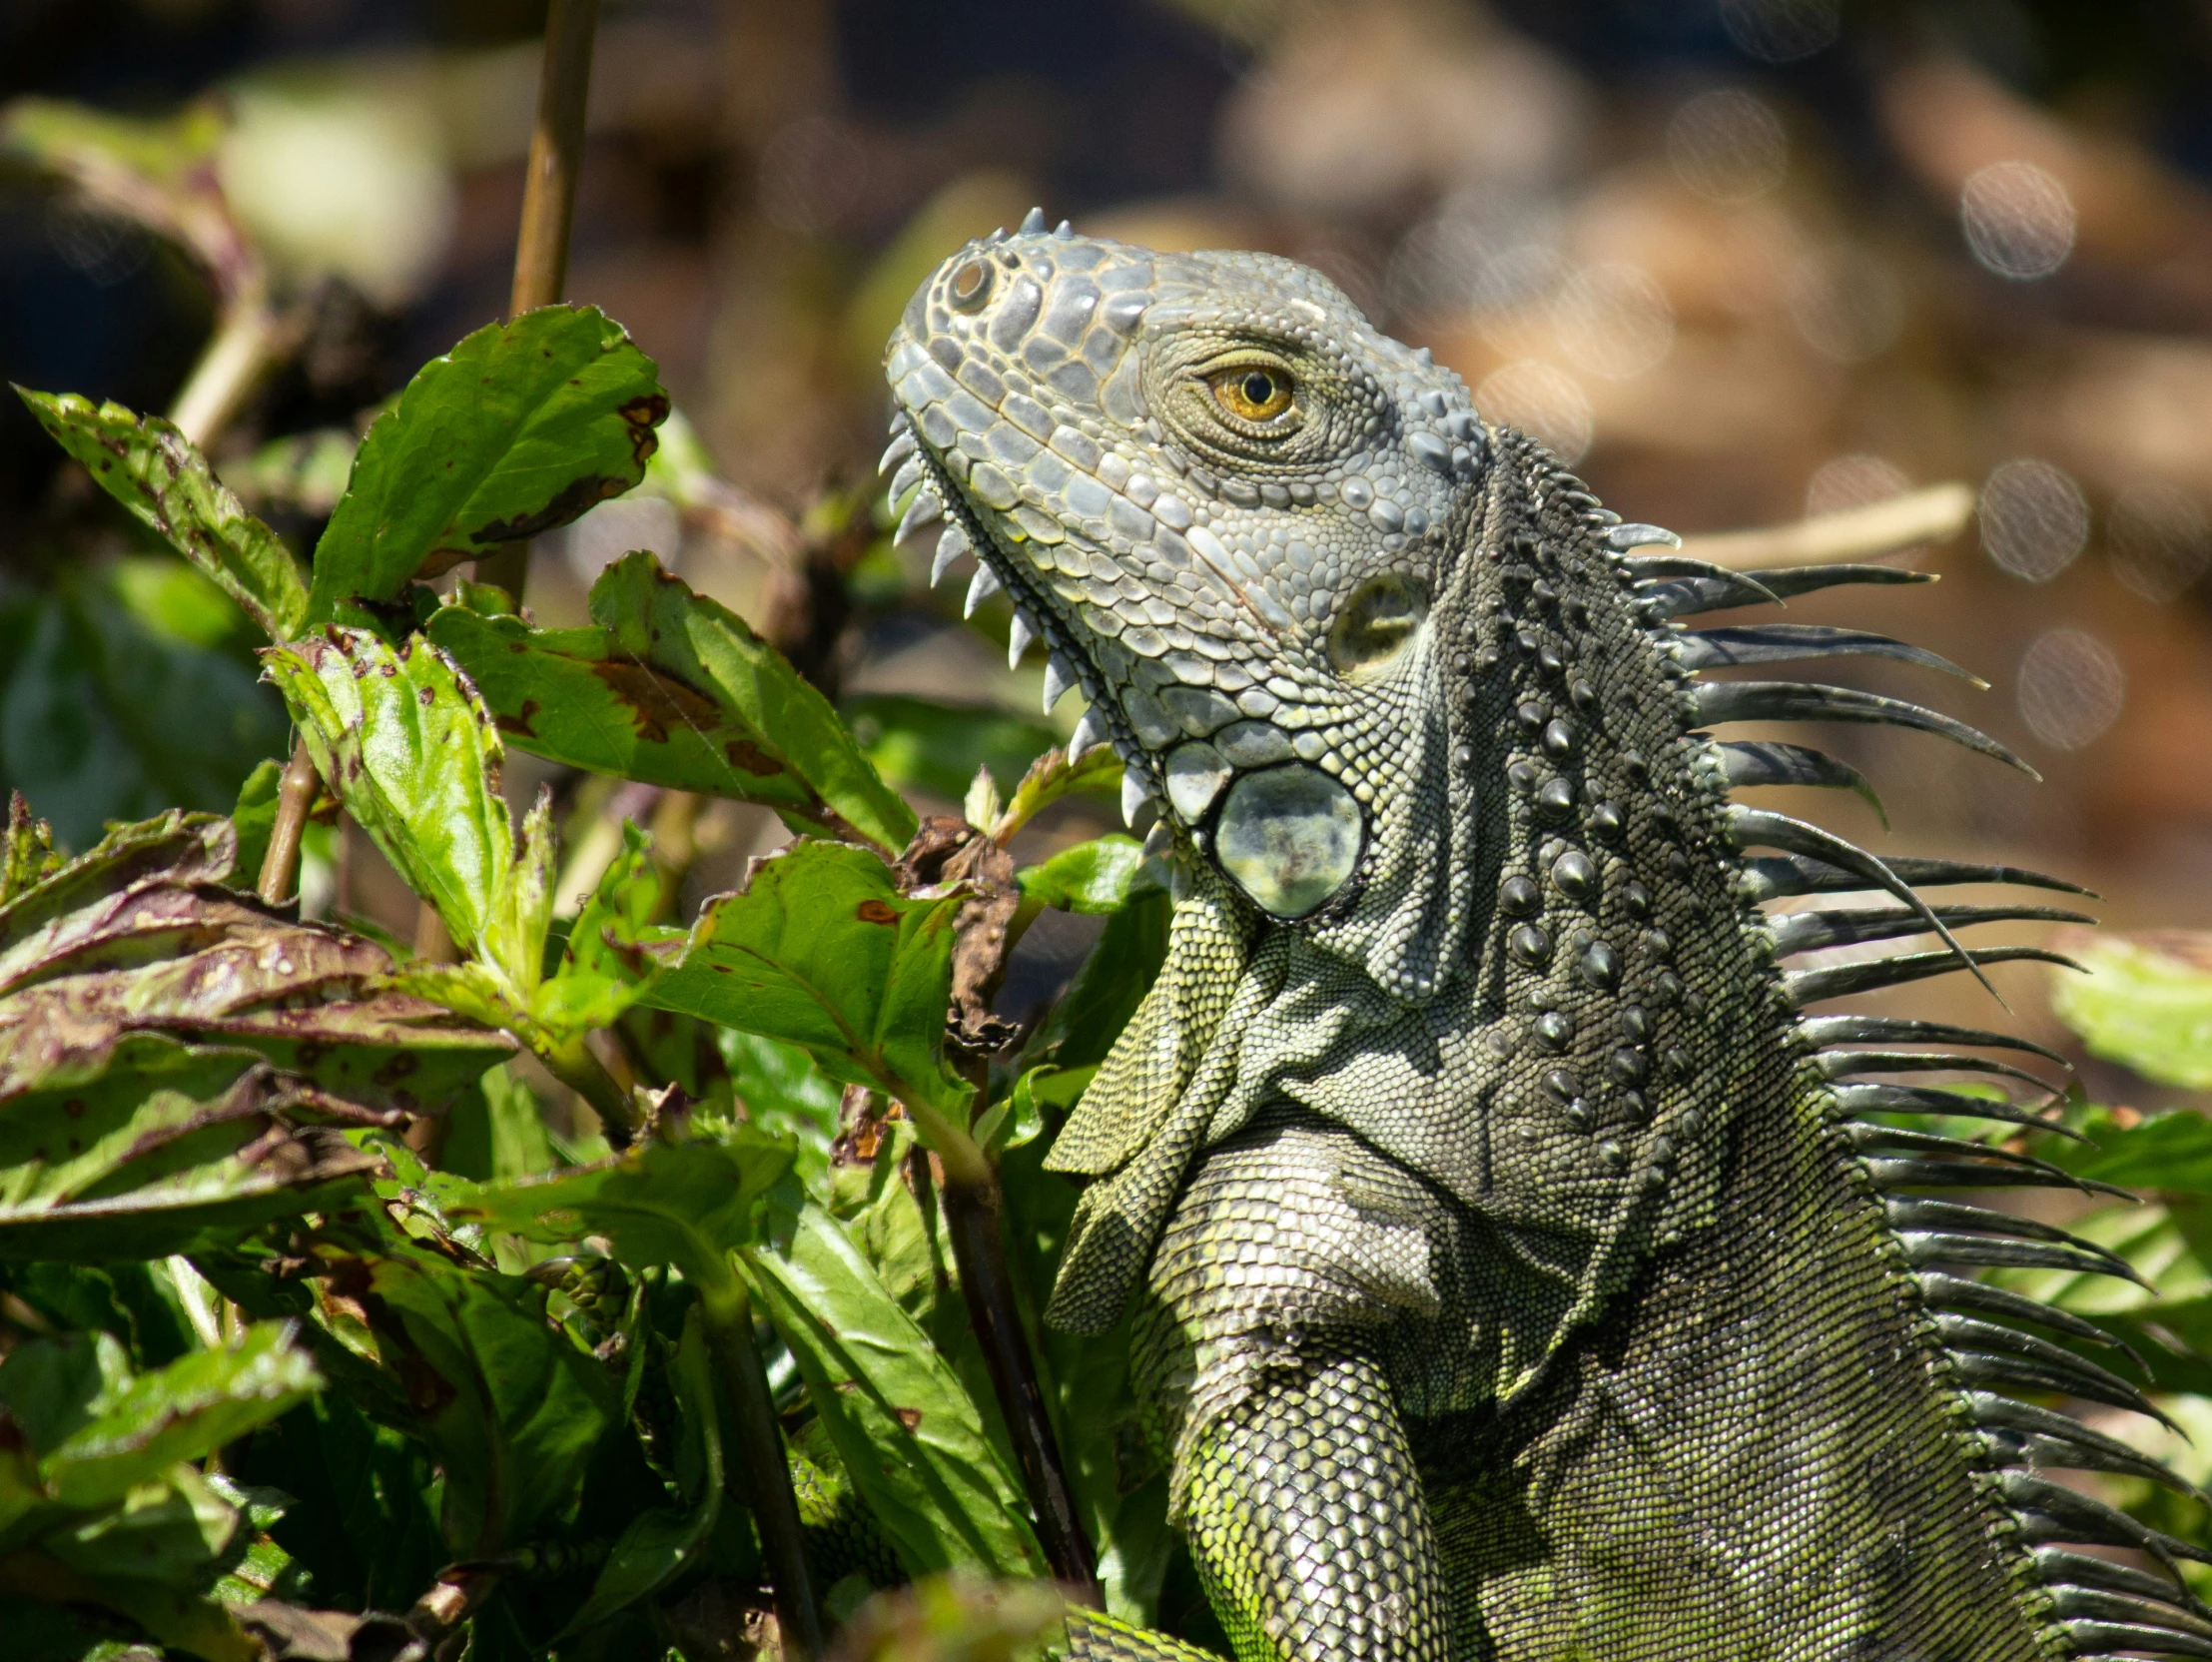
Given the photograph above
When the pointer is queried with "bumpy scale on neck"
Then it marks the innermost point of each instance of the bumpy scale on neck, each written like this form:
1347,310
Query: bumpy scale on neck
1457,872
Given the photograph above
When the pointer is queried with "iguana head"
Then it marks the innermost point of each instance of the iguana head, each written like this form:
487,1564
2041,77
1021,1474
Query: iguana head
1231,509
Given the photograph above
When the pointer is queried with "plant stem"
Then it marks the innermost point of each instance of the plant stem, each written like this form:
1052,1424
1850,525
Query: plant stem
294,796
457,1593
549,206
584,1073
556,155
249,337
728,1316
972,1212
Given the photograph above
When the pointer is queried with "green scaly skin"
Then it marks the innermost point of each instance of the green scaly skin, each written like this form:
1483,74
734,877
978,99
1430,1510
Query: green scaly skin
1518,1274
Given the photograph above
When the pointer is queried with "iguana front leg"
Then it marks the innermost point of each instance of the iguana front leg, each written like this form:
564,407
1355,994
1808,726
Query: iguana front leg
1308,1525
1283,1268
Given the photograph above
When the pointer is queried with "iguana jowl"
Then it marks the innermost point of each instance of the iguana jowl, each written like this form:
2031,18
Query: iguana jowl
1520,1275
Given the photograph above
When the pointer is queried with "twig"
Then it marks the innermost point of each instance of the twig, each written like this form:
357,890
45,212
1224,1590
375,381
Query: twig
549,206
294,796
972,1212
458,1593
556,154
728,1316
574,1064
1935,514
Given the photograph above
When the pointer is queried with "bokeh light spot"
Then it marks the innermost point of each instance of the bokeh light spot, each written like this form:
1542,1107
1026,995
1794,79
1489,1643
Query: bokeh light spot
2159,539
2034,519
1846,302
2018,220
1781,31
1543,403
1614,320
2071,688
1728,145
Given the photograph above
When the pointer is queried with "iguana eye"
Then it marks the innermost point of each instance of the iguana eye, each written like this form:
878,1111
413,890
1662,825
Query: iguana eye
1375,625
1252,393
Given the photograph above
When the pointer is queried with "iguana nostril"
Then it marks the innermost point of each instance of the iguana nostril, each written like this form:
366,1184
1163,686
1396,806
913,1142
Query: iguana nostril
971,284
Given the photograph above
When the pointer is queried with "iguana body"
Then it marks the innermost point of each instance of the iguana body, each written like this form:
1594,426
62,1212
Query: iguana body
1518,1275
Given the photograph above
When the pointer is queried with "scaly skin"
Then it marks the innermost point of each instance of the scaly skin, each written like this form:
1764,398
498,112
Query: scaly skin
1515,1280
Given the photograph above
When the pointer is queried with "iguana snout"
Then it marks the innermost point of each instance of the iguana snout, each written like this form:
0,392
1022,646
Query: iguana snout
1226,504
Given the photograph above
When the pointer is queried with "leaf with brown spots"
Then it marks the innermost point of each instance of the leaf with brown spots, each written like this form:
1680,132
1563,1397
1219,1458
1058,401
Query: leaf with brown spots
518,430
673,689
415,758
821,950
156,473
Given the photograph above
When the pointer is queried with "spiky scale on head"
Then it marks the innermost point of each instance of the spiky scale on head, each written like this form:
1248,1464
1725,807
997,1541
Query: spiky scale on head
1461,898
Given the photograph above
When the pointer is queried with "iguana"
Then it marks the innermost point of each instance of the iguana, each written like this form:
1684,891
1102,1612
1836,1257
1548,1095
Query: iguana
1520,1272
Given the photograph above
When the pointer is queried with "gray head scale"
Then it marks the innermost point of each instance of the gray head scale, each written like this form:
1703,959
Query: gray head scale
1234,514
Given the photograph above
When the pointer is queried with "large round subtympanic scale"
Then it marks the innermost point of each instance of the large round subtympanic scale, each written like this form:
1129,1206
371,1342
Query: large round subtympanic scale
1290,837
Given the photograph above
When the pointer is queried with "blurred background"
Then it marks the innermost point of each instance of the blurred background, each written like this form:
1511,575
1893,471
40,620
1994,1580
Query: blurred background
1736,261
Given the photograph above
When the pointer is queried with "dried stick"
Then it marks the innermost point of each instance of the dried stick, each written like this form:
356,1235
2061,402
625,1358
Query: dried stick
728,1317
549,206
979,1250
1935,514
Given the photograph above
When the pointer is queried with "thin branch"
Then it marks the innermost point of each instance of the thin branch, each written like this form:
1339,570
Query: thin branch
556,155
728,1317
549,206
972,1213
1935,514
294,796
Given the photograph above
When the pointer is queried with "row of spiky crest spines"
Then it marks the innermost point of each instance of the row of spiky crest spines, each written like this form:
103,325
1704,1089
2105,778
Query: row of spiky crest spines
2091,1608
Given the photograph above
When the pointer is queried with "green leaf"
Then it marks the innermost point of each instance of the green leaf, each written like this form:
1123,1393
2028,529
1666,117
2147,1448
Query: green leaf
97,1507
822,950
137,1302
606,966
402,739
103,718
497,1131
510,1408
516,430
2146,1001
1053,776
153,470
685,1203
1097,876
2170,1153
920,744
782,1091
673,689
1120,1488
136,938
27,854
185,1412
255,818
659,1544
907,1432
365,1527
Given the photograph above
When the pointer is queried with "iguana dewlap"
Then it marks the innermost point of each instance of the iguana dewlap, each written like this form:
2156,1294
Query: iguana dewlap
1519,1274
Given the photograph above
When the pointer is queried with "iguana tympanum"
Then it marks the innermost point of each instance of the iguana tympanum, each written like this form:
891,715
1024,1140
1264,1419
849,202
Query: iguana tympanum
1519,1274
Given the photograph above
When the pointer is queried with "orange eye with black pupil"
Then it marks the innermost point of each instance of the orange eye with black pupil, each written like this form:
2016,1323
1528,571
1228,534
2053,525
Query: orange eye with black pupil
1252,395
